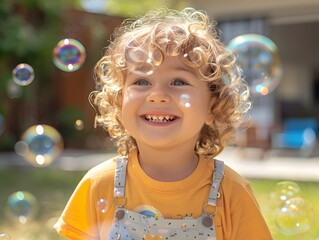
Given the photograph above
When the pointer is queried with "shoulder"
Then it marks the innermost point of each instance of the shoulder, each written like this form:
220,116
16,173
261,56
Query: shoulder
234,183
238,204
101,172
236,189
233,176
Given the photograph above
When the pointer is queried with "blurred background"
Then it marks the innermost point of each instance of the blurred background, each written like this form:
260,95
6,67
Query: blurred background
48,50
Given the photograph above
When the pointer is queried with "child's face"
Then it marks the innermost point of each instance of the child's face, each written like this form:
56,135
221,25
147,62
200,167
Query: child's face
167,108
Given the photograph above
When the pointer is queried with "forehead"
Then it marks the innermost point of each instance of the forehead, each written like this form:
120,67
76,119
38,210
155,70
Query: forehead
176,63
167,66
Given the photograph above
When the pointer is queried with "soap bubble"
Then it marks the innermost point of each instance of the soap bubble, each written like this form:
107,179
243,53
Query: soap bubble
185,100
79,125
42,145
244,107
22,206
102,205
295,216
284,191
13,89
258,56
20,147
4,236
69,55
23,74
140,62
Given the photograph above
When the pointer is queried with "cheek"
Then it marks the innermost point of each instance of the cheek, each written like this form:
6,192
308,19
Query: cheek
127,97
185,100
198,102
131,103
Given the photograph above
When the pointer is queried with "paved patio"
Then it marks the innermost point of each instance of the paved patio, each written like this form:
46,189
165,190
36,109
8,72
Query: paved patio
277,164
247,162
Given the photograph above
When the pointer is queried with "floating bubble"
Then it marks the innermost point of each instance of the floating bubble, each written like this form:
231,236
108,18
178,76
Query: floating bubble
244,107
22,206
101,205
23,74
295,216
194,57
135,55
51,221
69,55
144,70
4,236
14,90
139,61
43,144
79,125
258,56
244,96
309,138
284,191
185,100
157,57
20,147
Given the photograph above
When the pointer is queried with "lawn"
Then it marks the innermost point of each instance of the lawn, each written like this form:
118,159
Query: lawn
51,189
303,209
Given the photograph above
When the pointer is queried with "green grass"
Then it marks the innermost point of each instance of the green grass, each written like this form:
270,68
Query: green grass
53,187
309,191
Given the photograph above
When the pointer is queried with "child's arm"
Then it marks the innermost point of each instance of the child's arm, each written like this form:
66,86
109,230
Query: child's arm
84,218
241,218
78,220
248,222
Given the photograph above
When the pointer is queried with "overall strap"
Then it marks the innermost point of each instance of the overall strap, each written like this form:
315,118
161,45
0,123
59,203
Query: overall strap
119,177
217,178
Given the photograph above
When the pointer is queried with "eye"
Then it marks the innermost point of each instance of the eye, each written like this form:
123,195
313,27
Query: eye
179,82
142,82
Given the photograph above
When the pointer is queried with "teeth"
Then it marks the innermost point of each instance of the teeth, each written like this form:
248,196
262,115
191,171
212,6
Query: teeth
159,118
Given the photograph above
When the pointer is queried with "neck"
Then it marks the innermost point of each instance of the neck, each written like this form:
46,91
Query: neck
169,165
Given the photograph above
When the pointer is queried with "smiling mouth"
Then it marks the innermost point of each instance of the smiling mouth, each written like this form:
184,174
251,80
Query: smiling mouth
160,118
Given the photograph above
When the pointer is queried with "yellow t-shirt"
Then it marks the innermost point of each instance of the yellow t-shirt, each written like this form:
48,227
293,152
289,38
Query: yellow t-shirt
90,211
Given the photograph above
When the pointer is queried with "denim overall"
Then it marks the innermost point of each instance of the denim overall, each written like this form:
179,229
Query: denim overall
129,225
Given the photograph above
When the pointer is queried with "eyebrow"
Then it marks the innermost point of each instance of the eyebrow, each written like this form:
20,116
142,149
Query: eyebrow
186,69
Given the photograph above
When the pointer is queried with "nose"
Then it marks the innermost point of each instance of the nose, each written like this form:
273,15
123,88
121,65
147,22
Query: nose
158,95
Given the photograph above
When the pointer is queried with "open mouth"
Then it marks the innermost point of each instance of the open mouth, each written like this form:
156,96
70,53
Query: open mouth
160,118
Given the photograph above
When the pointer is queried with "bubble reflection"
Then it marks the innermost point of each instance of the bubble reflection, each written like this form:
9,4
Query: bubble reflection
101,205
41,144
23,74
258,56
69,55
295,216
4,236
22,206
185,100
79,125
283,191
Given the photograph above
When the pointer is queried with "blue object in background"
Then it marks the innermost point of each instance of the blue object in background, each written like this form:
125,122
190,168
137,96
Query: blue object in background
298,133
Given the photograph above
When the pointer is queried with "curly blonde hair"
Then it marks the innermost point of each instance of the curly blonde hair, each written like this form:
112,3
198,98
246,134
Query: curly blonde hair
141,45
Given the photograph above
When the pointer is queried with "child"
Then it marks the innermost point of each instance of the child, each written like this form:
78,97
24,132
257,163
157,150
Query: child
171,95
